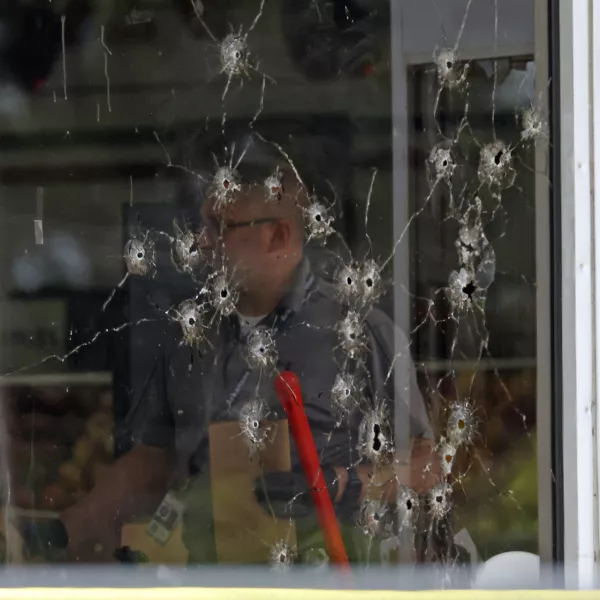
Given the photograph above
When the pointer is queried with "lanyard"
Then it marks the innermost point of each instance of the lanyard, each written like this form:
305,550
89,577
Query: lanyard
237,389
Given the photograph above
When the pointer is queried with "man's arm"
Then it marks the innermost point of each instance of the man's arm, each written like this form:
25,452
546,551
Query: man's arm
131,487
418,469
416,461
135,483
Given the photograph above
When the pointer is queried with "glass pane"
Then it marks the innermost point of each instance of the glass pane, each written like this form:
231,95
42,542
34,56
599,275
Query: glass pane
205,202
473,275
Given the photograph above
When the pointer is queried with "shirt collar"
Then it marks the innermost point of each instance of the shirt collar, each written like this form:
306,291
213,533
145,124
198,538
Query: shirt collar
293,299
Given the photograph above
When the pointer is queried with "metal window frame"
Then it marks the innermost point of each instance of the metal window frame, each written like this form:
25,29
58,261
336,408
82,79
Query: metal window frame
549,515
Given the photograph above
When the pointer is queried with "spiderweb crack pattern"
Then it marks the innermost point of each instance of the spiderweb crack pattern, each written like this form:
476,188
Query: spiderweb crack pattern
282,556
254,424
260,351
359,284
222,293
274,185
407,506
319,222
140,256
185,253
375,437
534,125
346,394
191,317
234,52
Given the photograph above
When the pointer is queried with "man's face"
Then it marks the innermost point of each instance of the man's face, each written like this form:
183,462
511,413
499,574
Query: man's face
236,236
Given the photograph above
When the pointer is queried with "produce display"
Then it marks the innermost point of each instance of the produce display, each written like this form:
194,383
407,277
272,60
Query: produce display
60,440
495,480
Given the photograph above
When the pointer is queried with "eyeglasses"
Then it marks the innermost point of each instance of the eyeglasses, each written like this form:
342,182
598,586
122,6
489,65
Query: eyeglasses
216,228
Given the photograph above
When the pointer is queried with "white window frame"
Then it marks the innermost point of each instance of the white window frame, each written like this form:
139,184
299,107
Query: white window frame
579,56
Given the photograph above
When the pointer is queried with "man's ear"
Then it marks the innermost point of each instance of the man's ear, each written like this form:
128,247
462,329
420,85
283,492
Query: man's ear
280,233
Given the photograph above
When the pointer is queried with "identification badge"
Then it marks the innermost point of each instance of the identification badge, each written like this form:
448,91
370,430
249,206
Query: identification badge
166,519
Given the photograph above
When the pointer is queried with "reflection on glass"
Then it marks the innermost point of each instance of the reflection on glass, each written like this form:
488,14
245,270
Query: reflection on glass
200,363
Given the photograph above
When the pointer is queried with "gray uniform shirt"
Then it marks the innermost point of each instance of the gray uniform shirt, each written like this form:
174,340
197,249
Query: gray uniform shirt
188,391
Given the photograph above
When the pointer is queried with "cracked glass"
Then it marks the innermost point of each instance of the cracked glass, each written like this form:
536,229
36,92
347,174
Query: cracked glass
269,282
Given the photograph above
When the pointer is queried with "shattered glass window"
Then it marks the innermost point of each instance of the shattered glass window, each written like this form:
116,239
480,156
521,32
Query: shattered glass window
269,281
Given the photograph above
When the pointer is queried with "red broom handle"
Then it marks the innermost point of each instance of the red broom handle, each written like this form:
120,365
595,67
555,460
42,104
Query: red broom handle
288,390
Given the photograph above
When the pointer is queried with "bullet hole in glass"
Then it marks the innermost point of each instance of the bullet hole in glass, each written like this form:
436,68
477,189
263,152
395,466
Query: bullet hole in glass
361,290
376,440
469,290
260,350
190,316
253,421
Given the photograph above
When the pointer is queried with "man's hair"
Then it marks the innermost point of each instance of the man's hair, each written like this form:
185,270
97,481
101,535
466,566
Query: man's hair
260,159
254,159
309,152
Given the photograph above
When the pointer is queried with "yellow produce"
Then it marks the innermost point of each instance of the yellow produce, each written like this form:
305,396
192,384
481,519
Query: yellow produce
83,450
70,473
99,426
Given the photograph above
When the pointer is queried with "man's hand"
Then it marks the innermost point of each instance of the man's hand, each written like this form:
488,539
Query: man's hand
287,495
132,486
45,538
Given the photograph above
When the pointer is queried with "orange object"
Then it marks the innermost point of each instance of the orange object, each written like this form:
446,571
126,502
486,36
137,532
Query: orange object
288,390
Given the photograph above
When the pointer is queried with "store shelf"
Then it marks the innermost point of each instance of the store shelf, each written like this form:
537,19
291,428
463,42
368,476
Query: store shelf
485,364
32,513
57,379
